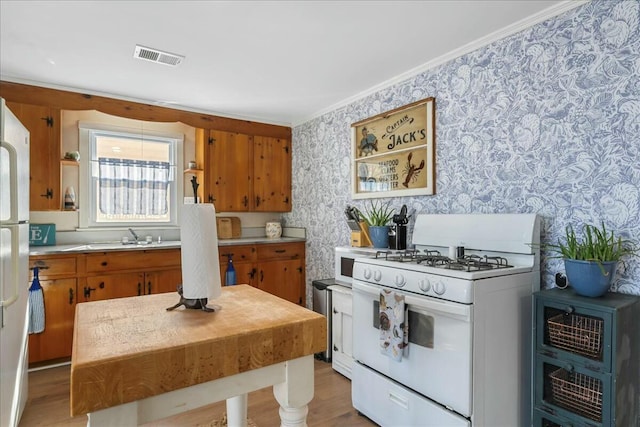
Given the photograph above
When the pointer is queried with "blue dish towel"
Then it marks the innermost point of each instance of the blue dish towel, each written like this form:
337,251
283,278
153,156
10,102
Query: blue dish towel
36,305
394,322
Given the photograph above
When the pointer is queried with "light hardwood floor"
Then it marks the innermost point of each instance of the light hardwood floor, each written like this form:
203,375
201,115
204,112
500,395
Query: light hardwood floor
48,403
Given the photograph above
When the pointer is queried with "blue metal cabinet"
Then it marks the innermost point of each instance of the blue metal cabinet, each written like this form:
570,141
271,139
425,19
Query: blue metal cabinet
586,360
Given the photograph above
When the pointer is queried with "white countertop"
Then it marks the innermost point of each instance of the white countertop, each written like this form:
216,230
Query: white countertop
118,246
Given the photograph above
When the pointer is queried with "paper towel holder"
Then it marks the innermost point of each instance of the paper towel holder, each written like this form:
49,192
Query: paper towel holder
193,303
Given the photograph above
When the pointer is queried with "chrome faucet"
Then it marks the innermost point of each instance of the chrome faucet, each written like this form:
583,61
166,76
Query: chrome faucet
133,233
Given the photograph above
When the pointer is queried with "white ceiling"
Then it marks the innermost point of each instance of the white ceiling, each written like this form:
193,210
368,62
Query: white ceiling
280,62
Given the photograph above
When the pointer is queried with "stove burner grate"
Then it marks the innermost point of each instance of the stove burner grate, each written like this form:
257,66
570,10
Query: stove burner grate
435,259
476,262
407,255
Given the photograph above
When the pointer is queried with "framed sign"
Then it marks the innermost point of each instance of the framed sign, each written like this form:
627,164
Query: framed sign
394,152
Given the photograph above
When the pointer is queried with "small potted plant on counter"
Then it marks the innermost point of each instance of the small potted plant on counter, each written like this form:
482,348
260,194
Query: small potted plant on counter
378,215
590,262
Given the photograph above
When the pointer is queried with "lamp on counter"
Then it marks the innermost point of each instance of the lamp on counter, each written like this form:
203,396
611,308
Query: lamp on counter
199,251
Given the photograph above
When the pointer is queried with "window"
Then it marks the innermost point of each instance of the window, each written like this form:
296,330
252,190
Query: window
130,178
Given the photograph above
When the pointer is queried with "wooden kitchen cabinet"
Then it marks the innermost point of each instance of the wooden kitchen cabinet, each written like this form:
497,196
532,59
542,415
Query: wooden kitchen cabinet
43,124
131,273
245,173
229,171
586,359
277,268
272,174
244,257
58,281
280,270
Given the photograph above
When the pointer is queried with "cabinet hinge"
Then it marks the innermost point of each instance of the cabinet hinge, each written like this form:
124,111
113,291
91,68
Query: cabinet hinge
48,194
49,121
286,149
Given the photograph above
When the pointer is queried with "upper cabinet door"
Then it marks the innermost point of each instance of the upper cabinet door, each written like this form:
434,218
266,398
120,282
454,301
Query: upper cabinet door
229,171
44,164
272,179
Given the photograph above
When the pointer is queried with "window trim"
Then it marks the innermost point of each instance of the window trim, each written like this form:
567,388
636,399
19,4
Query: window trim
87,203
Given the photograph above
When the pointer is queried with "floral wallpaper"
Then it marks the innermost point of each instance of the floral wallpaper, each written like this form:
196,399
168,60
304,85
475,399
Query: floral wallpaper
546,120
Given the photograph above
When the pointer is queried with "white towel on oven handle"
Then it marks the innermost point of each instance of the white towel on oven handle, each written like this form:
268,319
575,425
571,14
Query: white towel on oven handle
394,325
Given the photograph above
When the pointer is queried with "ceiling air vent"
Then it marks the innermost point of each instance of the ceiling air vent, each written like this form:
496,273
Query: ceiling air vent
155,55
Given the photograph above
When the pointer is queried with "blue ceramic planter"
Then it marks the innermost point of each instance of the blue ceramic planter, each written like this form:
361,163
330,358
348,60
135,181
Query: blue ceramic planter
587,278
379,236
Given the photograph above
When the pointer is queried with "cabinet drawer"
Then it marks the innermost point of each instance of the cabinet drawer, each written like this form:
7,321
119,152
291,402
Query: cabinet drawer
54,266
280,251
132,260
240,253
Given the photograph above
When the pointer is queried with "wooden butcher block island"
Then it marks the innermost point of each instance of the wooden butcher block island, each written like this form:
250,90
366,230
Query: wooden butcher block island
134,362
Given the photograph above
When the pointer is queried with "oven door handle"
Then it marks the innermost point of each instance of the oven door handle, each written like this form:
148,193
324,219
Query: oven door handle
447,308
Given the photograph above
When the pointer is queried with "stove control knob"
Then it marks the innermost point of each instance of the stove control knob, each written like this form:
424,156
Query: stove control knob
367,273
424,285
400,280
439,288
377,275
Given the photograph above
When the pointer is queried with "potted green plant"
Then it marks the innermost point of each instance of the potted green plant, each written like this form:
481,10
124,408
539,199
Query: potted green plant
377,215
590,262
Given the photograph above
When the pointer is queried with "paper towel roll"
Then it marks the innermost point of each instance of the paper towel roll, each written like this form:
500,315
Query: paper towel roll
199,246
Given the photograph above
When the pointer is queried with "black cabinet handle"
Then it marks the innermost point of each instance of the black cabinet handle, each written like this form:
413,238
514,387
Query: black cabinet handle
261,275
335,348
148,288
139,288
335,311
101,285
252,273
280,251
257,200
245,201
70,296
104,263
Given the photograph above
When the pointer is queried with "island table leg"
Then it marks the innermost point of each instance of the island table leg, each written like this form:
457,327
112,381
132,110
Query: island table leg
296,392
237,411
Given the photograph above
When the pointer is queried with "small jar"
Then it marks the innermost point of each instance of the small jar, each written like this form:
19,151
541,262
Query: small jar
273,230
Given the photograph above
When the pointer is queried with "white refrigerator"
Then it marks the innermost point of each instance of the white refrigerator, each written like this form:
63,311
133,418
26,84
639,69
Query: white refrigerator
14,265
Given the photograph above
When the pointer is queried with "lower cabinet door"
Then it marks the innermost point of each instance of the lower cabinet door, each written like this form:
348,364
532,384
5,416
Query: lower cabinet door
245,272
282,278
341,328
159,282
59,308
573,392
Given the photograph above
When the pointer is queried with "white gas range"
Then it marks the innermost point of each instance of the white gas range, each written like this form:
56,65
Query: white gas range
469,321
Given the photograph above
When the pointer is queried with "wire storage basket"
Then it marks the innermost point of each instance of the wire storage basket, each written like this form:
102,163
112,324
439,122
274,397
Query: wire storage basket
577,392
579,334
